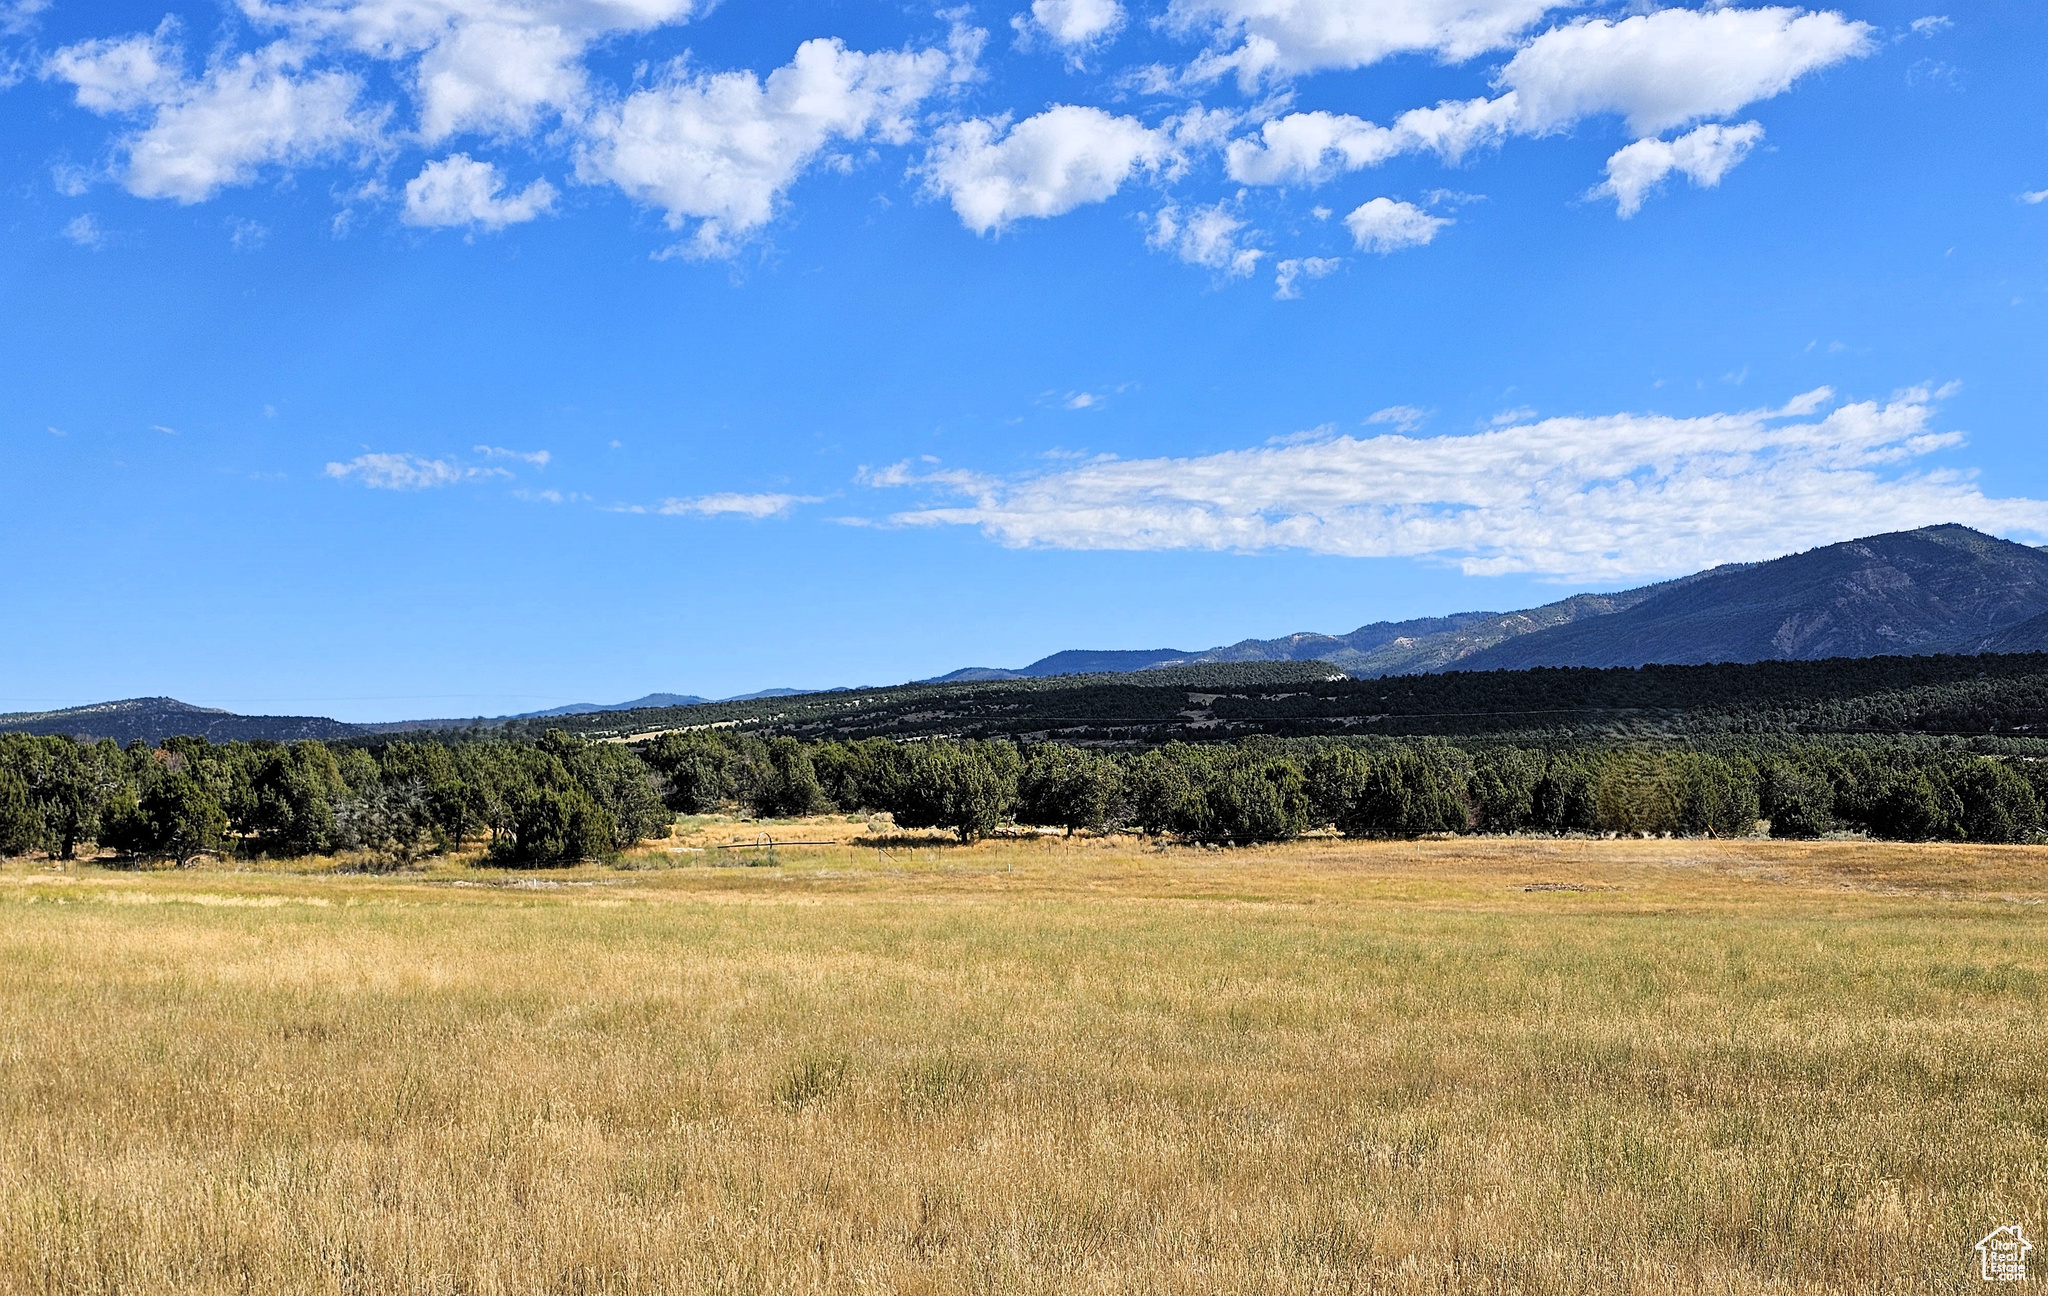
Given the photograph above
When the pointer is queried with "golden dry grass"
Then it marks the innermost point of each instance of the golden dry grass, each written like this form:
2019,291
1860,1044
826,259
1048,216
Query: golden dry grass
1040,1066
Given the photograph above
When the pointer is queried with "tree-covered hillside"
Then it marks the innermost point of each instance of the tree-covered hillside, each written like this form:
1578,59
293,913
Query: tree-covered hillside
1992,695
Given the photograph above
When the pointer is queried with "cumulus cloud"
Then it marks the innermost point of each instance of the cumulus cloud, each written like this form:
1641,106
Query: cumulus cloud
1261,40
995,174
1204,236
495,66
221,128
721,149
122,74
1675,66
2034,197
1308,148
1288,274
1657,71
405,472
1588,498
458,190
1703,156
1311,147
1071,24
1384,225
729,503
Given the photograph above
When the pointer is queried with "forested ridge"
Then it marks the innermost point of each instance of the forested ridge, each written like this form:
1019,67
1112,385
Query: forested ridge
1868,695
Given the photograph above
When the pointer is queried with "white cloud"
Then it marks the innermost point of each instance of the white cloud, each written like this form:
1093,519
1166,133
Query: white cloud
1311,147
1402,418
2034,197
241,115
495,66
1204,236
1614,497
1931,25
1674,66
538,458
407,472
459,190
85,231
1657,70
1384,225
1270,39
245,235
1287,274
1703,155
721,149
122,74
1072,24
1308,147
1043,166
18,16
728,503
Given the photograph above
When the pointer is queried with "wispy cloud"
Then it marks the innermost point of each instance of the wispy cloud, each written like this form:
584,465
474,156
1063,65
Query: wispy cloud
405,472
765,505
1402,418
2034,197
538,458
1588,498
85,231
1287,275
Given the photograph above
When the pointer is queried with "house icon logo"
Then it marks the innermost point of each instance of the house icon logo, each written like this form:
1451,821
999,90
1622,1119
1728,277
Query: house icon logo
2002,1255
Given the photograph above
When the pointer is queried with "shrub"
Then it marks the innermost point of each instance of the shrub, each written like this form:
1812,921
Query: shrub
1503,788
176,818
1798,802
1998,805
698,768
551,826
1250,799
1403,795
392,824
1067,787
968,787
21,827
785,784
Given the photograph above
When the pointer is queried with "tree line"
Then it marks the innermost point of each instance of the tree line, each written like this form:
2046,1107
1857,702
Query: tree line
561,798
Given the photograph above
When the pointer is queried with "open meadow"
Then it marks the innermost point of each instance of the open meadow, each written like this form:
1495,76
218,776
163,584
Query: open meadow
1036,1066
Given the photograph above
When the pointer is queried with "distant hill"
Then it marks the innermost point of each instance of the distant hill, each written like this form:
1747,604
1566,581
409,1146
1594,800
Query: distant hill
155,719
586,708
1381,648
1943,589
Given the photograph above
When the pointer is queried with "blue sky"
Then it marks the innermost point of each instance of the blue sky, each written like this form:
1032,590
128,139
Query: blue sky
381,358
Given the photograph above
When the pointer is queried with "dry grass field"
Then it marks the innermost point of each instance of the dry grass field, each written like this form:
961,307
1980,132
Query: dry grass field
1036,1066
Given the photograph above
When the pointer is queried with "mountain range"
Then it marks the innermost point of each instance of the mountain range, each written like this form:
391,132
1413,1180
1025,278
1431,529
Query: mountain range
1941,589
